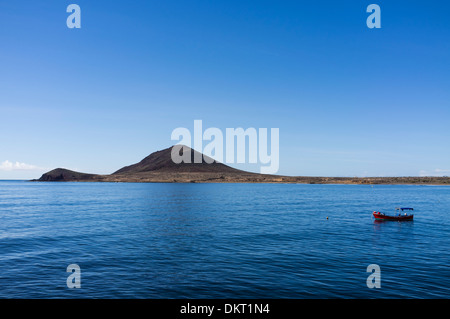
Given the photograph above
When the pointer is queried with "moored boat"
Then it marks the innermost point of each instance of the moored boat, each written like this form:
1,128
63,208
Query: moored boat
400,216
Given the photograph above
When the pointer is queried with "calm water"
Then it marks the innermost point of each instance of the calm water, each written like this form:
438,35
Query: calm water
221,240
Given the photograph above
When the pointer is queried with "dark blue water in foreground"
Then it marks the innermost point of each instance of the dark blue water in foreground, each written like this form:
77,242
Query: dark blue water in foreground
221,240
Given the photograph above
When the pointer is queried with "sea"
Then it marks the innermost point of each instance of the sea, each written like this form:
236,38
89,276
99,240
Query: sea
201,241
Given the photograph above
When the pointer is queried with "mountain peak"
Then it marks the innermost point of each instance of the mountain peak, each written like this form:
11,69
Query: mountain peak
161,161
158,164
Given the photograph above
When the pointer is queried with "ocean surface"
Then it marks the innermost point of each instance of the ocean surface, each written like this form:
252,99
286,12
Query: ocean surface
221,240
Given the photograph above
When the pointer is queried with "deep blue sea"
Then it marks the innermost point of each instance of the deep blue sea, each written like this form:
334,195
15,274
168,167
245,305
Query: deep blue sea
221,240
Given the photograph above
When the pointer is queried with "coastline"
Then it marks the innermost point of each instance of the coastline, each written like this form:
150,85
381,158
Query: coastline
248,178
158,167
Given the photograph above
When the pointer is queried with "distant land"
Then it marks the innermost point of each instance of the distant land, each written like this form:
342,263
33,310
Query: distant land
158,167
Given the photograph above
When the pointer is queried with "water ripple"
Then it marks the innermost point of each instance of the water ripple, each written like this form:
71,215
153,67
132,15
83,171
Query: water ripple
221,241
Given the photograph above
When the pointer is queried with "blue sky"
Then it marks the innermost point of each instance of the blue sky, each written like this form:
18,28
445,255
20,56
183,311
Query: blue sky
348,100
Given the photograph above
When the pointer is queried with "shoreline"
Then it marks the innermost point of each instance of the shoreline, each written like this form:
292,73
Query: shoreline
275,183
250,178
158,167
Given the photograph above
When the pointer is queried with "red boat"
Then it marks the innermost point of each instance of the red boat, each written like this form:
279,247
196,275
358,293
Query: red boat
399,216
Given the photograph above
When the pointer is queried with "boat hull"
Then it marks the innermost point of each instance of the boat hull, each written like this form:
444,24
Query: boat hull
380,216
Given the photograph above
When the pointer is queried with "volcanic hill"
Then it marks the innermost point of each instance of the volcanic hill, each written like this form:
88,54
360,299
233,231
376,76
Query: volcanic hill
158,167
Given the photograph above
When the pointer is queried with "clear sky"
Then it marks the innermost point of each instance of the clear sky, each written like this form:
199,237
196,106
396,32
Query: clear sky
348,100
